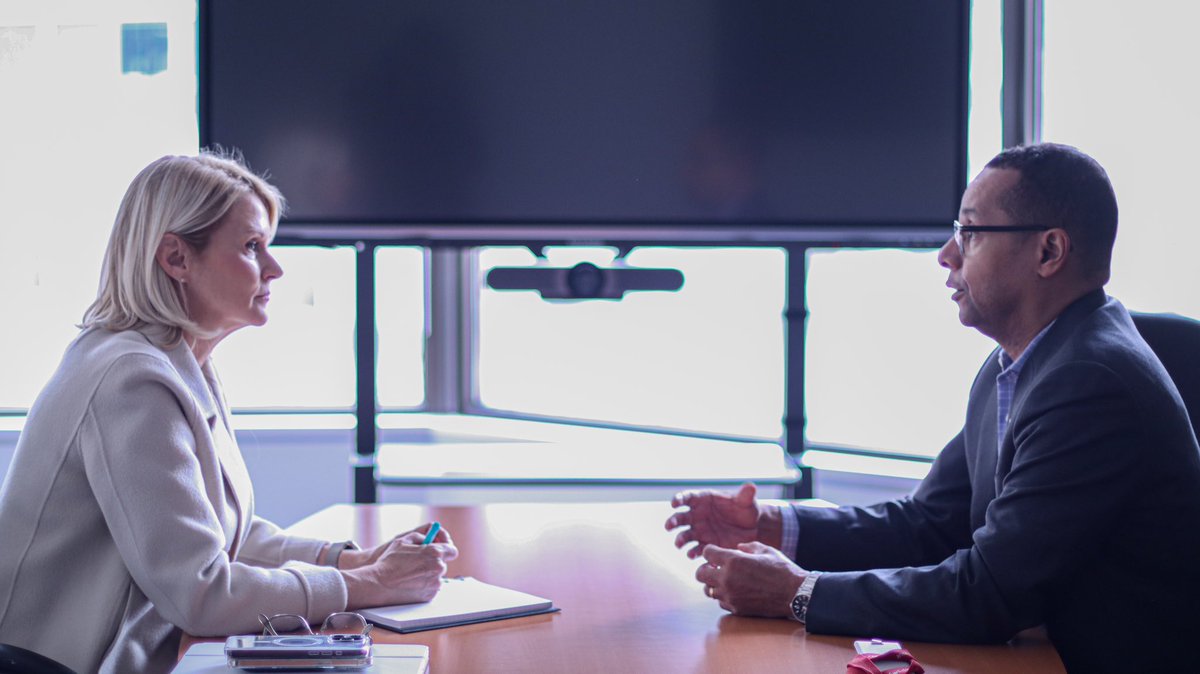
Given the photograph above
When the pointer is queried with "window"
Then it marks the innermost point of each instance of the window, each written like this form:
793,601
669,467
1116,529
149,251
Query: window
311,322
400,325
887,364
92,93
1120,84
984,124
75,128
708,358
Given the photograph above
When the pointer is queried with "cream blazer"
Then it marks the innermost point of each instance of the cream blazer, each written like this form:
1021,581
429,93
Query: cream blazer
127,516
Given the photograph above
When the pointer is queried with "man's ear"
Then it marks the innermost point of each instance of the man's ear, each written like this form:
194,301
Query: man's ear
1054,246
173,256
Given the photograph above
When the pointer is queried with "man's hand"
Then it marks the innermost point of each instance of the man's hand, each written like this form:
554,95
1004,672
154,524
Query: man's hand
715,518
753,580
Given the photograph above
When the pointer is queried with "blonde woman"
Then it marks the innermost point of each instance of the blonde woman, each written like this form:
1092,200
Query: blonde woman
127,516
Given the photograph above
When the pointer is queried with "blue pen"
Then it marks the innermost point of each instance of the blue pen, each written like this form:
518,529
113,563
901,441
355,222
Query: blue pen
437,526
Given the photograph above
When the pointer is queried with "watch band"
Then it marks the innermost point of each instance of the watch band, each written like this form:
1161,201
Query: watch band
804,596
334,553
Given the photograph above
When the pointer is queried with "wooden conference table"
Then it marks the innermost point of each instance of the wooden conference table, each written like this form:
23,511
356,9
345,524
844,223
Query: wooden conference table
628,597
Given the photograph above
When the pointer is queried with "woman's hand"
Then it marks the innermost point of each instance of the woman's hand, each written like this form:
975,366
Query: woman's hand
353,559
401,571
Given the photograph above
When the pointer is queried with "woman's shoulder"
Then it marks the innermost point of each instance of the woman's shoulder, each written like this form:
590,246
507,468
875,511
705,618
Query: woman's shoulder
101,347
101,364
98,354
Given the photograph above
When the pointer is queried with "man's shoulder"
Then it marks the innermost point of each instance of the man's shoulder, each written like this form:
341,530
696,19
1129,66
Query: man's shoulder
1105,346
1105,335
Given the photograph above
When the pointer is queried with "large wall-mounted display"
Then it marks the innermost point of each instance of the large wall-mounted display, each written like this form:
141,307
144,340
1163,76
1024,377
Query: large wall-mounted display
594,112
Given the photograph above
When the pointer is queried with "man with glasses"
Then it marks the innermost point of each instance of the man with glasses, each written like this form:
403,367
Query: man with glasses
1071,497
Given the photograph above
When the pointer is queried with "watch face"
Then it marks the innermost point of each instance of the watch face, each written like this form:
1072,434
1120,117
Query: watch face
798,608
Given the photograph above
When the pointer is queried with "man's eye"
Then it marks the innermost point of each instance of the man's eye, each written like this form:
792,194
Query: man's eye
967,236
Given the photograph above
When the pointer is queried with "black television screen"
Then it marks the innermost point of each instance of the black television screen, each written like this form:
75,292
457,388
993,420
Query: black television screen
594,112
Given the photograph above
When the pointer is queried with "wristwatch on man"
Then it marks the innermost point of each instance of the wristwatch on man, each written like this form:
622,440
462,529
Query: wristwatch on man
804,596
334,552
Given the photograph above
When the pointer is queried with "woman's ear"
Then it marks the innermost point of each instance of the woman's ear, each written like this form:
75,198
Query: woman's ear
173,256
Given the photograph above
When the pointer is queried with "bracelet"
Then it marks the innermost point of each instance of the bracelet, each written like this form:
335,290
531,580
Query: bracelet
804,596
334,552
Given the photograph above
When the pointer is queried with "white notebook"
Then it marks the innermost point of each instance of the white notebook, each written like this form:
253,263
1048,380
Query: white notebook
461,601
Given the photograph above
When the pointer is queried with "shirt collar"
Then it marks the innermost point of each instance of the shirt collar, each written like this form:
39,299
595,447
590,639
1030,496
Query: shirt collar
1011,367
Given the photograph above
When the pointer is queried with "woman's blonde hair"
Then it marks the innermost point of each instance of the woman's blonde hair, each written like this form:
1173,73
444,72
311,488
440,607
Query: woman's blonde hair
185,196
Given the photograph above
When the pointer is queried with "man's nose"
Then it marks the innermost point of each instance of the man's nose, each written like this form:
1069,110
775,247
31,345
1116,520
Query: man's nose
948,256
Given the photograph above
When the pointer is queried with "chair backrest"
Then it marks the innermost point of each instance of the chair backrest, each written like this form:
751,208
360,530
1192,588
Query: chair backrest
1176,342
17,660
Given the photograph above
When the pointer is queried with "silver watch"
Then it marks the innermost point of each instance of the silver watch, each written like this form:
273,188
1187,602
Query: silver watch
804,596
335,551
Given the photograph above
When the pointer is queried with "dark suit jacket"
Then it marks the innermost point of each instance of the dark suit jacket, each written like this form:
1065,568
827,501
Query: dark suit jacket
1086,520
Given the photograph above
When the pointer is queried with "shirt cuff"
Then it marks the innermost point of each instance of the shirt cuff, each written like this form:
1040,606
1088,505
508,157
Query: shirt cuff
791,531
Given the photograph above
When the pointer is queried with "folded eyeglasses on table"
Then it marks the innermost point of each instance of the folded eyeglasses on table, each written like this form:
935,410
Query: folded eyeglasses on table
291,623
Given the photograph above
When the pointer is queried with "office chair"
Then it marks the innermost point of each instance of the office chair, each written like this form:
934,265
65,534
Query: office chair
17,660
1176,342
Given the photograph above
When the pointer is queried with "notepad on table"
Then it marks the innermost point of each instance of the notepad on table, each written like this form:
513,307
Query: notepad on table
461,601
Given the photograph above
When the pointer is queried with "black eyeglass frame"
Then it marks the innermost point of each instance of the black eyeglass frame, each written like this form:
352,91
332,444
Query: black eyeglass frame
959,228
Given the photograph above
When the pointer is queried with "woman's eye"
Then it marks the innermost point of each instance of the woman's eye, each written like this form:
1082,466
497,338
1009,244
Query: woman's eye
252,246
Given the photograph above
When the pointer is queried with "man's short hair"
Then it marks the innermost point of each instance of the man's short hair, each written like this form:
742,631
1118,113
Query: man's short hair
1061,186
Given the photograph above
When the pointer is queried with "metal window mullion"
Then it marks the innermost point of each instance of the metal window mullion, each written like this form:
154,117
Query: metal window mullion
795,314
443,330
1021,92
365,340
469,289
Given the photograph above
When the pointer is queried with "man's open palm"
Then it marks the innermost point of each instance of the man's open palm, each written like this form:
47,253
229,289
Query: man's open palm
715,518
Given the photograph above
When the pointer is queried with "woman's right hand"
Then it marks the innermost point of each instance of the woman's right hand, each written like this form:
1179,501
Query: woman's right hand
404,572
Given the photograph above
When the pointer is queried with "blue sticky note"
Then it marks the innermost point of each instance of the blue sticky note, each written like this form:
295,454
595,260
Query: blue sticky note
143,48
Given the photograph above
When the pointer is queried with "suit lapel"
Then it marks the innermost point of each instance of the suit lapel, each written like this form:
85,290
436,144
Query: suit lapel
979,435
205,388
1032,371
